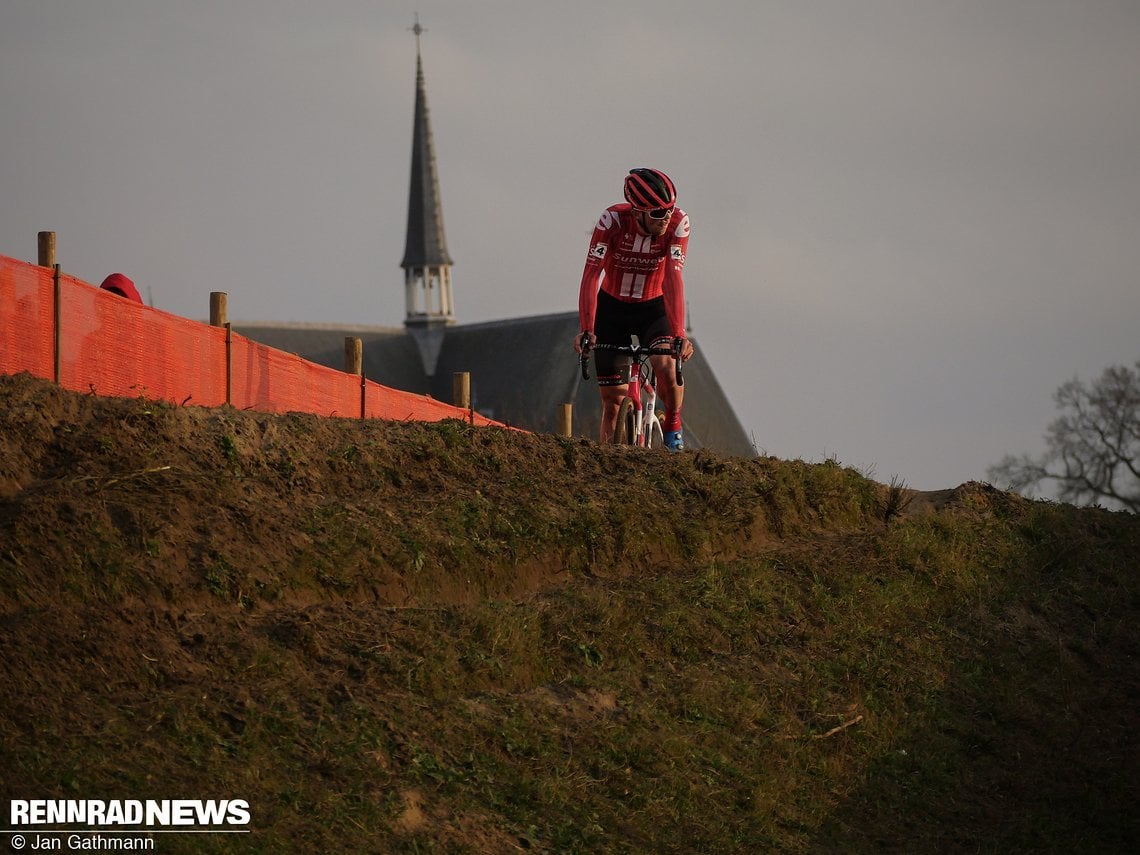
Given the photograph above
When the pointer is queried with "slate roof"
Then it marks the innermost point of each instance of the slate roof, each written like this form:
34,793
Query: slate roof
390,355
521,369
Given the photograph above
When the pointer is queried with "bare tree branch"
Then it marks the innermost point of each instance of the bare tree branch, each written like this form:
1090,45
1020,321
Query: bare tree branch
1092,448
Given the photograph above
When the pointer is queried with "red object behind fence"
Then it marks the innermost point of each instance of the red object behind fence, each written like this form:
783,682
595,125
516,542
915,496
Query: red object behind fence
119,284
90,340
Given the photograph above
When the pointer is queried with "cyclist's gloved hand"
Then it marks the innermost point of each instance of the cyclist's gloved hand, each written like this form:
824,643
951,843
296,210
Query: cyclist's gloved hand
684,347
584,342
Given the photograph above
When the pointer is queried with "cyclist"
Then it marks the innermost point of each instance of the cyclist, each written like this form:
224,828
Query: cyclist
632,285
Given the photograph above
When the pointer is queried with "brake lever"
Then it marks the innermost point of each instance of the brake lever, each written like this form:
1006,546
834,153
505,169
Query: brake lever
584,355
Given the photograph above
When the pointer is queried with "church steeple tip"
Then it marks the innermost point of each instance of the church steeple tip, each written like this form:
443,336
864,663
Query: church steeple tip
426,263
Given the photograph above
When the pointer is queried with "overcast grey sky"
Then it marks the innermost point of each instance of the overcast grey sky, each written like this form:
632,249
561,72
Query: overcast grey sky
912,219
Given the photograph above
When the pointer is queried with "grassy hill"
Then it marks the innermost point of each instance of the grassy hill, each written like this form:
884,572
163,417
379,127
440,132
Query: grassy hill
397,637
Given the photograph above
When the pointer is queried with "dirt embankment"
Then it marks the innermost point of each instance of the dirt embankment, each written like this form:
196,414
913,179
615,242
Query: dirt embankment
166,504
393,637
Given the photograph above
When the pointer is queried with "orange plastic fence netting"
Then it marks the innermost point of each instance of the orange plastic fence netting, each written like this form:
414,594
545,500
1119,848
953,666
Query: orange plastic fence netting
27,329
109,345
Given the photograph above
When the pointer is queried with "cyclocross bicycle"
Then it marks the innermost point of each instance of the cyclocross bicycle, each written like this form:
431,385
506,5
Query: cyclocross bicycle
638,423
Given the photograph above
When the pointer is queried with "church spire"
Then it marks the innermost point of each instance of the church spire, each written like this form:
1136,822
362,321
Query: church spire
427,264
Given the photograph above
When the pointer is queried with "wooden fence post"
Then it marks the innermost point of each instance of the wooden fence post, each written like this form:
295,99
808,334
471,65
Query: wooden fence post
354,365
218,319
461,393
353,355
47,249
565,420
217,308
461,389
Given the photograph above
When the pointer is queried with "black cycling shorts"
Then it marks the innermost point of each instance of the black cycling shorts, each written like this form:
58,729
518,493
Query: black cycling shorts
616,322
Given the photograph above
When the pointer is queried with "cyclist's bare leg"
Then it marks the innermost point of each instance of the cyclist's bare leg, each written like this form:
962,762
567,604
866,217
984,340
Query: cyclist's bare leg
611,402
668,391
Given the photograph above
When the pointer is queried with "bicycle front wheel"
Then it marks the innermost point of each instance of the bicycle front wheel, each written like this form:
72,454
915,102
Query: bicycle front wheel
626,432
655,436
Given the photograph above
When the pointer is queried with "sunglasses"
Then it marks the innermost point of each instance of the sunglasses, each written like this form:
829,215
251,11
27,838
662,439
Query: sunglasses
659,213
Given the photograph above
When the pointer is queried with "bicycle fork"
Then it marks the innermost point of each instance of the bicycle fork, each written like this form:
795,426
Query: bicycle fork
639,386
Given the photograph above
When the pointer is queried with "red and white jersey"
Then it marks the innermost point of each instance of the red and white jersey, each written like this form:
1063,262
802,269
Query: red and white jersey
633,266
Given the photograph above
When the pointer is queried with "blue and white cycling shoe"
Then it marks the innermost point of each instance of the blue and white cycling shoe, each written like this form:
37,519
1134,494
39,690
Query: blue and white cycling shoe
674,441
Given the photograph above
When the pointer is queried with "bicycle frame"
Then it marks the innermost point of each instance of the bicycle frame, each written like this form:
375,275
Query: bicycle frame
644,383
639,424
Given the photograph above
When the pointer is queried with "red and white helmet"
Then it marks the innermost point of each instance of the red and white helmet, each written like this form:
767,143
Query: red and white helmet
650,190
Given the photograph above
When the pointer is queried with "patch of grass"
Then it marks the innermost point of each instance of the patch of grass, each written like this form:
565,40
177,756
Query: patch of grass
228,446
896,499
230,584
